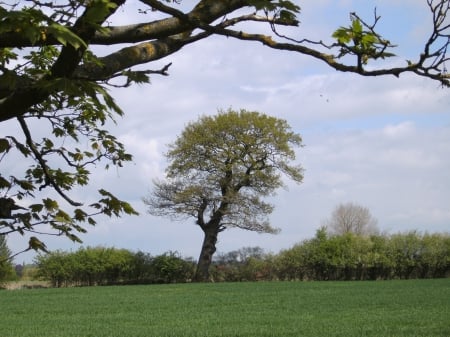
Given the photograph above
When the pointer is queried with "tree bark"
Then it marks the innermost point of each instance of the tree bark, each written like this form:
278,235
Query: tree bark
206,254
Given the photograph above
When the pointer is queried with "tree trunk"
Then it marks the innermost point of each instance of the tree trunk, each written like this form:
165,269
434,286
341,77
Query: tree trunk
206,254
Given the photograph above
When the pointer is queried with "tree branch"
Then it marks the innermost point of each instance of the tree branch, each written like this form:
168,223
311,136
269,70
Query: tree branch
48,178
20,100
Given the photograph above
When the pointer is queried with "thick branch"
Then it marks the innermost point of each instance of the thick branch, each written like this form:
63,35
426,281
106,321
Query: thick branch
128,57
205,12
19,102
70,56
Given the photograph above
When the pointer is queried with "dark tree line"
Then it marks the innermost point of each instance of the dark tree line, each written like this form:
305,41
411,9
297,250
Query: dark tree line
324,257
353,257
108,266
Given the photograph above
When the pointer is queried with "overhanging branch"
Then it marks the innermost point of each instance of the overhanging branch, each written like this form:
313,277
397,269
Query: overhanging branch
330,59
48,177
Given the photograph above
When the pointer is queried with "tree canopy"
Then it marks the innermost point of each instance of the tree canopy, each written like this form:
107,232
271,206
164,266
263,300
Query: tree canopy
221,167
58,58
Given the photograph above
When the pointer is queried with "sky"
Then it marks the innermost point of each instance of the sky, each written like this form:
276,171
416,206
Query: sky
383,143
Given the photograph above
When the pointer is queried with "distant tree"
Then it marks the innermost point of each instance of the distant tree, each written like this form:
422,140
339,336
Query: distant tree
244,264
6,266
56,267
170,267
5,252
435,255
220,169
141,268
241,255
351,218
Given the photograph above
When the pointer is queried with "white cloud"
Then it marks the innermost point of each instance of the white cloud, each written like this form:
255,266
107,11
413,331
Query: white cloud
400,130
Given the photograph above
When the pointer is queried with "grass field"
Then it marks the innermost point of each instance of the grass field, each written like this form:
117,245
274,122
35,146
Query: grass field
387,308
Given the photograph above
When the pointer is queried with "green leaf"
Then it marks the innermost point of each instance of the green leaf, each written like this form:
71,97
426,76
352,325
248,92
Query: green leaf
36,207
290,6
136,76
80,215
22,148
342,35
4,145
65,36
48,143
259,4
385,54
4,183
357,27
37,244
287,16
26,185
50,204
98,9
273,6
109,100
58,132
63,217
128,209
7,54
74,238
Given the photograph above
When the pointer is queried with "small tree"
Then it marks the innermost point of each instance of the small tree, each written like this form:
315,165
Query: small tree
220,169
351,218
6,267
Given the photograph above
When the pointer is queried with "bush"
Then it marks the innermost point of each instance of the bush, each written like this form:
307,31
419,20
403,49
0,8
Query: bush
85,267
103,266
355,257
171,268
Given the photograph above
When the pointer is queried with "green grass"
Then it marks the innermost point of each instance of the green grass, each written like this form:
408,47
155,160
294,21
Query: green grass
387,308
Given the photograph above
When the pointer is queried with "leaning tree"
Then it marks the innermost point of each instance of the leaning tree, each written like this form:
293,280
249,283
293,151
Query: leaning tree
54,97
221,167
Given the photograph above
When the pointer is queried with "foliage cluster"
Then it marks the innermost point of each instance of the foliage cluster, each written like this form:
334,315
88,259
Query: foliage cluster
102,266
246,309
352,257
72,112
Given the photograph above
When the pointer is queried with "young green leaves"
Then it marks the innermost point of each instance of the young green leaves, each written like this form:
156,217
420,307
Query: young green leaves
361,40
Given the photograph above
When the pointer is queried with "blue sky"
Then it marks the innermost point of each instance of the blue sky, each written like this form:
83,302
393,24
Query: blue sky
383,143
